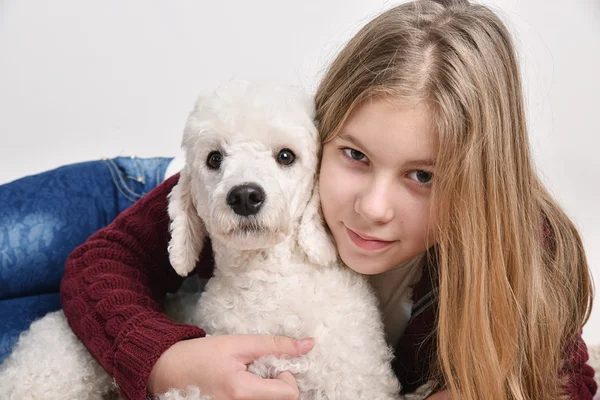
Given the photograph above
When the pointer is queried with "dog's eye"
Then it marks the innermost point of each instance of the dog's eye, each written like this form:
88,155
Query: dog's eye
286,157
214,160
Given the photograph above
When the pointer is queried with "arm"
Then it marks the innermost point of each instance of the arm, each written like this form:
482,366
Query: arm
112,295
578,375
113,289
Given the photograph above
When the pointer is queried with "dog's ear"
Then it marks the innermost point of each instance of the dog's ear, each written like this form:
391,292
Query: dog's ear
187,228
313,237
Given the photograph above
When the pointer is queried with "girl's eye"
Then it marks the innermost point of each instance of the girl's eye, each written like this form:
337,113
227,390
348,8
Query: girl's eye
422,177
355,154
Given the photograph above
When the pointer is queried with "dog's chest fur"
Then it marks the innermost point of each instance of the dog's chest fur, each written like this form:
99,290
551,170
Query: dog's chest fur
279,293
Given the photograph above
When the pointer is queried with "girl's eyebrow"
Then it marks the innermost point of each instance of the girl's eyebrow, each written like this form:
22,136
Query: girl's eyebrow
420,163
349,138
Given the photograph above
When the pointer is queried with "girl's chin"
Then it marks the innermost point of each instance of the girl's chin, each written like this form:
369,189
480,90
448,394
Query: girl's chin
364,267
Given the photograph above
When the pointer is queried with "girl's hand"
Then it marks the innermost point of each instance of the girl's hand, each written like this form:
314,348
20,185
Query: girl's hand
445,395
217,365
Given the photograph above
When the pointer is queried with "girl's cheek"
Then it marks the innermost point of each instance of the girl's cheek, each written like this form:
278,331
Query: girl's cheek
333,189
339,180
326,184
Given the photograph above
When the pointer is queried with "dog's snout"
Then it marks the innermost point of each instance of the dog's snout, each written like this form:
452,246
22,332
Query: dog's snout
246,199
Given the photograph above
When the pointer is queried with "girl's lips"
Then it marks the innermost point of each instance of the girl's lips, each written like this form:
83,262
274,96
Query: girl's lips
367,244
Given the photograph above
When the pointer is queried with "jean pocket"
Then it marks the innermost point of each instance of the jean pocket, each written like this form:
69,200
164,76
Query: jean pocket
128,176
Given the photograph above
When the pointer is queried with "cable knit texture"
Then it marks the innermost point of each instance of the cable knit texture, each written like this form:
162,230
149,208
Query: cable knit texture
113,290
580,375
115,283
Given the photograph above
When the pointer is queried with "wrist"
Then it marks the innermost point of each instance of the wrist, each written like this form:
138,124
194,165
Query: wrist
141,348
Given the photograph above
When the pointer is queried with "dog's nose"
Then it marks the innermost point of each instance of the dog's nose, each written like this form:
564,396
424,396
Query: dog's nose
246,199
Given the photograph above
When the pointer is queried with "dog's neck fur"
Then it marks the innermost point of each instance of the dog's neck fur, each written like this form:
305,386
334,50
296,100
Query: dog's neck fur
284,255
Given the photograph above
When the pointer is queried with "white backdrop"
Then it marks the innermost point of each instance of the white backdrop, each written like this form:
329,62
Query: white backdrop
84,79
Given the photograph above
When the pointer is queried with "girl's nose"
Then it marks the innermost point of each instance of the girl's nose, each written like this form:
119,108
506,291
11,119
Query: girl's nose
375,204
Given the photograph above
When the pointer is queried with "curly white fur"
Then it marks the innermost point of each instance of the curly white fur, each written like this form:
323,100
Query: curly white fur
282,278
277,271
49,362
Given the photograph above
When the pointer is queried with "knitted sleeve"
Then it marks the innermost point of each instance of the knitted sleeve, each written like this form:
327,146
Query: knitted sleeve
113,290
579,375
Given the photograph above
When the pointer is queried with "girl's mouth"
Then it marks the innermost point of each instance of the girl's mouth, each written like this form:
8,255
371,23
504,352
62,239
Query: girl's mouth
366,242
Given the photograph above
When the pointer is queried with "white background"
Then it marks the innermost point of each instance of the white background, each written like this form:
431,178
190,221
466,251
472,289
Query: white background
84,79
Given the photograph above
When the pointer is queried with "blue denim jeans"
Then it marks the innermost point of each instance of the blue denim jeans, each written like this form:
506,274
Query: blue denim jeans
44,217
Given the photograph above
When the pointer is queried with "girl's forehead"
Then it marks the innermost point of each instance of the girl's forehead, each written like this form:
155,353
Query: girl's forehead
400,111
389,131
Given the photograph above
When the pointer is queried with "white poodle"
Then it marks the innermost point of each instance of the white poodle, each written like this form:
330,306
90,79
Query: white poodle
249,183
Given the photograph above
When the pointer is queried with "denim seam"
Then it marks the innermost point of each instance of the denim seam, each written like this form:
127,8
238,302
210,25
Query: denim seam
140,177
123,182
137,169
116,181
158,170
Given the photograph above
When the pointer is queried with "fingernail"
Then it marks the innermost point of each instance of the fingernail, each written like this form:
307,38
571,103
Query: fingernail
305,345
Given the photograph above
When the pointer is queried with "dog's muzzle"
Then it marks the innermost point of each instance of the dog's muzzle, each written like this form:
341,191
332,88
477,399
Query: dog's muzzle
246,199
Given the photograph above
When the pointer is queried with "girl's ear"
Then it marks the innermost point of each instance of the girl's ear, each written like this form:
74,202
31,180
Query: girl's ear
187,228
312,234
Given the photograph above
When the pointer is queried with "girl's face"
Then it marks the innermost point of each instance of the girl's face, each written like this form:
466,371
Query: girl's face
376,182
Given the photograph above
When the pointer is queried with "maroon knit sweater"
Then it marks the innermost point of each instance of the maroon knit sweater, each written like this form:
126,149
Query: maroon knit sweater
115,283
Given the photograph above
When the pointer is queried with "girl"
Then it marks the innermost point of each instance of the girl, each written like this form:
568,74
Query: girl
426,181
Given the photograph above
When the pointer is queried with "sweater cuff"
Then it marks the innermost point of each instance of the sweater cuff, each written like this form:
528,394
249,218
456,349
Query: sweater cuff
139,350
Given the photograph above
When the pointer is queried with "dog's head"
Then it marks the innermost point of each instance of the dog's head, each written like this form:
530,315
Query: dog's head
249,178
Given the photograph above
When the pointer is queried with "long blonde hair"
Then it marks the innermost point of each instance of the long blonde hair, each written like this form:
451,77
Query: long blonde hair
514,285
